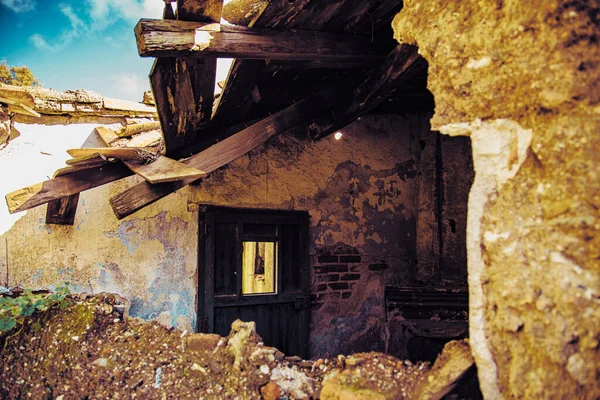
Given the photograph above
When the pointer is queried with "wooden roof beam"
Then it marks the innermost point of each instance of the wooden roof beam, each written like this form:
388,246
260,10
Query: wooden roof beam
64,186
231,148
169,38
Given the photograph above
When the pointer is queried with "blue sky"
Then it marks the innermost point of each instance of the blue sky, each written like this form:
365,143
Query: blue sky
70,44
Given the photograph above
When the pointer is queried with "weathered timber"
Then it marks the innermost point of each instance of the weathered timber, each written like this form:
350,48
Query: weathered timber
179,113
145,139
62,211
64,186
199,10
93,160
163,169
164,38
122,153
130,130
74,168
184,89
231,148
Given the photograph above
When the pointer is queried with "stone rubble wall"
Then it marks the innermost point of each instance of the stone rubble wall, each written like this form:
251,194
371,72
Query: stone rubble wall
522,80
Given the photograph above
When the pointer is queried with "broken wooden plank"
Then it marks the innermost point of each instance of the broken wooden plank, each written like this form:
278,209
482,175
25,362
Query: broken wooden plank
184,89
70,169
63,210
179,113
166,38
231,148
122,153
163,169
152,139
94,159
63,186
145,139
133,129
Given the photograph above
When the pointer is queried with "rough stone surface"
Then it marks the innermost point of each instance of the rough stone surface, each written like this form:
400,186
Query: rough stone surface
452,364
522,80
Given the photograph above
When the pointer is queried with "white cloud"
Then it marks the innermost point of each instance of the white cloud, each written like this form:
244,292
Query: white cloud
130,86
105,12
66,37
19,5
101,13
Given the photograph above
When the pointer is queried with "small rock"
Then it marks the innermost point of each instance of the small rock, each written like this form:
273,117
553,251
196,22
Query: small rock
270,391
265,369
354,361
101,362
196,367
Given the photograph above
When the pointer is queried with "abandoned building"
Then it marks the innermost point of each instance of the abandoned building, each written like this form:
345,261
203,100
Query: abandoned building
374,176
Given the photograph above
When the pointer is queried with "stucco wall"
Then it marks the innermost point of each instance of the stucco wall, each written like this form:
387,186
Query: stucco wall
361,193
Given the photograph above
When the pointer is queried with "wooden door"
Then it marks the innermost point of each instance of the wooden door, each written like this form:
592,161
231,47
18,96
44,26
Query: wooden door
253,265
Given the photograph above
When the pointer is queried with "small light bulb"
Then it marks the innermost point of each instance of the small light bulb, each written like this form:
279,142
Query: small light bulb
338,135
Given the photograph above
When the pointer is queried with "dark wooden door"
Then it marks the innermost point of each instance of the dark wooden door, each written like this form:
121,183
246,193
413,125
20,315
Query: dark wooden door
254,267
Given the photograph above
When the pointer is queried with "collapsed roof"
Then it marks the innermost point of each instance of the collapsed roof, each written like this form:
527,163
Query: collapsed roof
309,66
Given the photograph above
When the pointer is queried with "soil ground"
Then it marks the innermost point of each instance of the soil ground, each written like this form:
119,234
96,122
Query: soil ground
90,350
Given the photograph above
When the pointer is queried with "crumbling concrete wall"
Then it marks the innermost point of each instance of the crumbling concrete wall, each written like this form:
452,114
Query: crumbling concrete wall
522,80
361,193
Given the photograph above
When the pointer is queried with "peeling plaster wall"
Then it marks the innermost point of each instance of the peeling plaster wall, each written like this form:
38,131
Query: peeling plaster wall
361,193
522,80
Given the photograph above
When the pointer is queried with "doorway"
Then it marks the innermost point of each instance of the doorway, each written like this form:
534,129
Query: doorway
253,266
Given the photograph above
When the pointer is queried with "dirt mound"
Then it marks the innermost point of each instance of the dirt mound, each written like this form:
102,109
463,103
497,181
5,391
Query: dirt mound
91,349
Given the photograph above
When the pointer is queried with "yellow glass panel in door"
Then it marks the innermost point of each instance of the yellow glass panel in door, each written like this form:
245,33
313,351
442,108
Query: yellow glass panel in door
258,268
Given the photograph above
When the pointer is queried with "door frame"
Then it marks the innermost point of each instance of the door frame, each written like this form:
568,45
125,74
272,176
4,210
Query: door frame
208,216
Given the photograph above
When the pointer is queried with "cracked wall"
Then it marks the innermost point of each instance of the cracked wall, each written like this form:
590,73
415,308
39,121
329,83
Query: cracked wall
361,193
522,80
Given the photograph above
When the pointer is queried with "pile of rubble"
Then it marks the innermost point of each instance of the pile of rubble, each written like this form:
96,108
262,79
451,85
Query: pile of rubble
92,348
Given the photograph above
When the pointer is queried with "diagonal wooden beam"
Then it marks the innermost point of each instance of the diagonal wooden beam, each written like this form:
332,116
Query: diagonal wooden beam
184,88
231,148
63,186
167,38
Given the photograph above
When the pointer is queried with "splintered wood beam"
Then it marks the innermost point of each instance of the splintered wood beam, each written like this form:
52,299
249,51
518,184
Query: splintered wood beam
168,38
184,88
122,153
402,64
163,169
64,186
231,148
